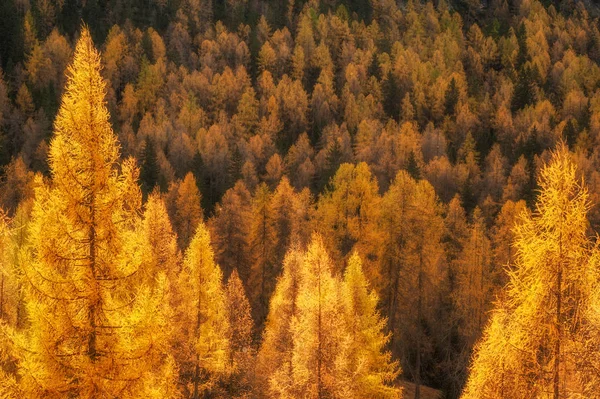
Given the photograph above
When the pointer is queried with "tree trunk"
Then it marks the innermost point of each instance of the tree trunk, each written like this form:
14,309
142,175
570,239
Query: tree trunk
2,297
419,332
319,388
556,381
196,336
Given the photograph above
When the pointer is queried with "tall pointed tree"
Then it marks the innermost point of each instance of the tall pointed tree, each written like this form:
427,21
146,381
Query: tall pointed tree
533,346
164,255
188,212
368,371
94,328
411,255
317,327
475,280
241,329
262,241
204,324
274,360
230,230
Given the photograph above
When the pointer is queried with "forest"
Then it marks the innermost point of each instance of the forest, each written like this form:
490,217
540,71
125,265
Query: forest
299,199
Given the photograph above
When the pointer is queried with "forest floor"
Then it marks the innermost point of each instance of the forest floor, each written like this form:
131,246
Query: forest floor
426,392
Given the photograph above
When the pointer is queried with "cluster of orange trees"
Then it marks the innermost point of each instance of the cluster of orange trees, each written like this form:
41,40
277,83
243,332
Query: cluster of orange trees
317,198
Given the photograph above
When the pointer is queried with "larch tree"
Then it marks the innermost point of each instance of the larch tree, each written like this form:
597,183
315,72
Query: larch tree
504,253
290,213
316,327
368,370
346,214
202,314
262,244
274,360
94,328
230,231
188,212
241,333
15,253
164,256
534,343
475,280
5,264
410,266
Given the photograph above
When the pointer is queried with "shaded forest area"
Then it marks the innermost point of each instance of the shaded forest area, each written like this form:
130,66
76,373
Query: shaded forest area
175,199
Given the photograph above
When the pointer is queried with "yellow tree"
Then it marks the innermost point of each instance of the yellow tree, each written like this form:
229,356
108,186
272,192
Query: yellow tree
475,279
5,240
316,328
346,215
240,336
368,370
411,227
533,345
188,212
202,314
163,255
274,360
230,230
262,241
94,329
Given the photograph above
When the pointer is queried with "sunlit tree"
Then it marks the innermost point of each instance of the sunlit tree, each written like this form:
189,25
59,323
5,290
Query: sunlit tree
94,327
533,344
202,314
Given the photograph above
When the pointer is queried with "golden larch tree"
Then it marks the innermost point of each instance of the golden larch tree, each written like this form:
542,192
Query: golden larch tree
202,315
188,212
94,329
410,268
274,360
475,281
316,327
368,370
163,255
534,344
262,243
241,330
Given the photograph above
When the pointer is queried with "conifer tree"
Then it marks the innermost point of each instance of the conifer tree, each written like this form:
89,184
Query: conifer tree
274,360
533,345
316,328
5,238
262,240
204,325
412,228
240,336
95,330
368,369
188,212
163,256
474,280
346,213
230,229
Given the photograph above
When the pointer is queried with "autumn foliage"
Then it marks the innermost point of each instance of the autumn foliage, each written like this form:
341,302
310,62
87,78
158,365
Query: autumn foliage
299,199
